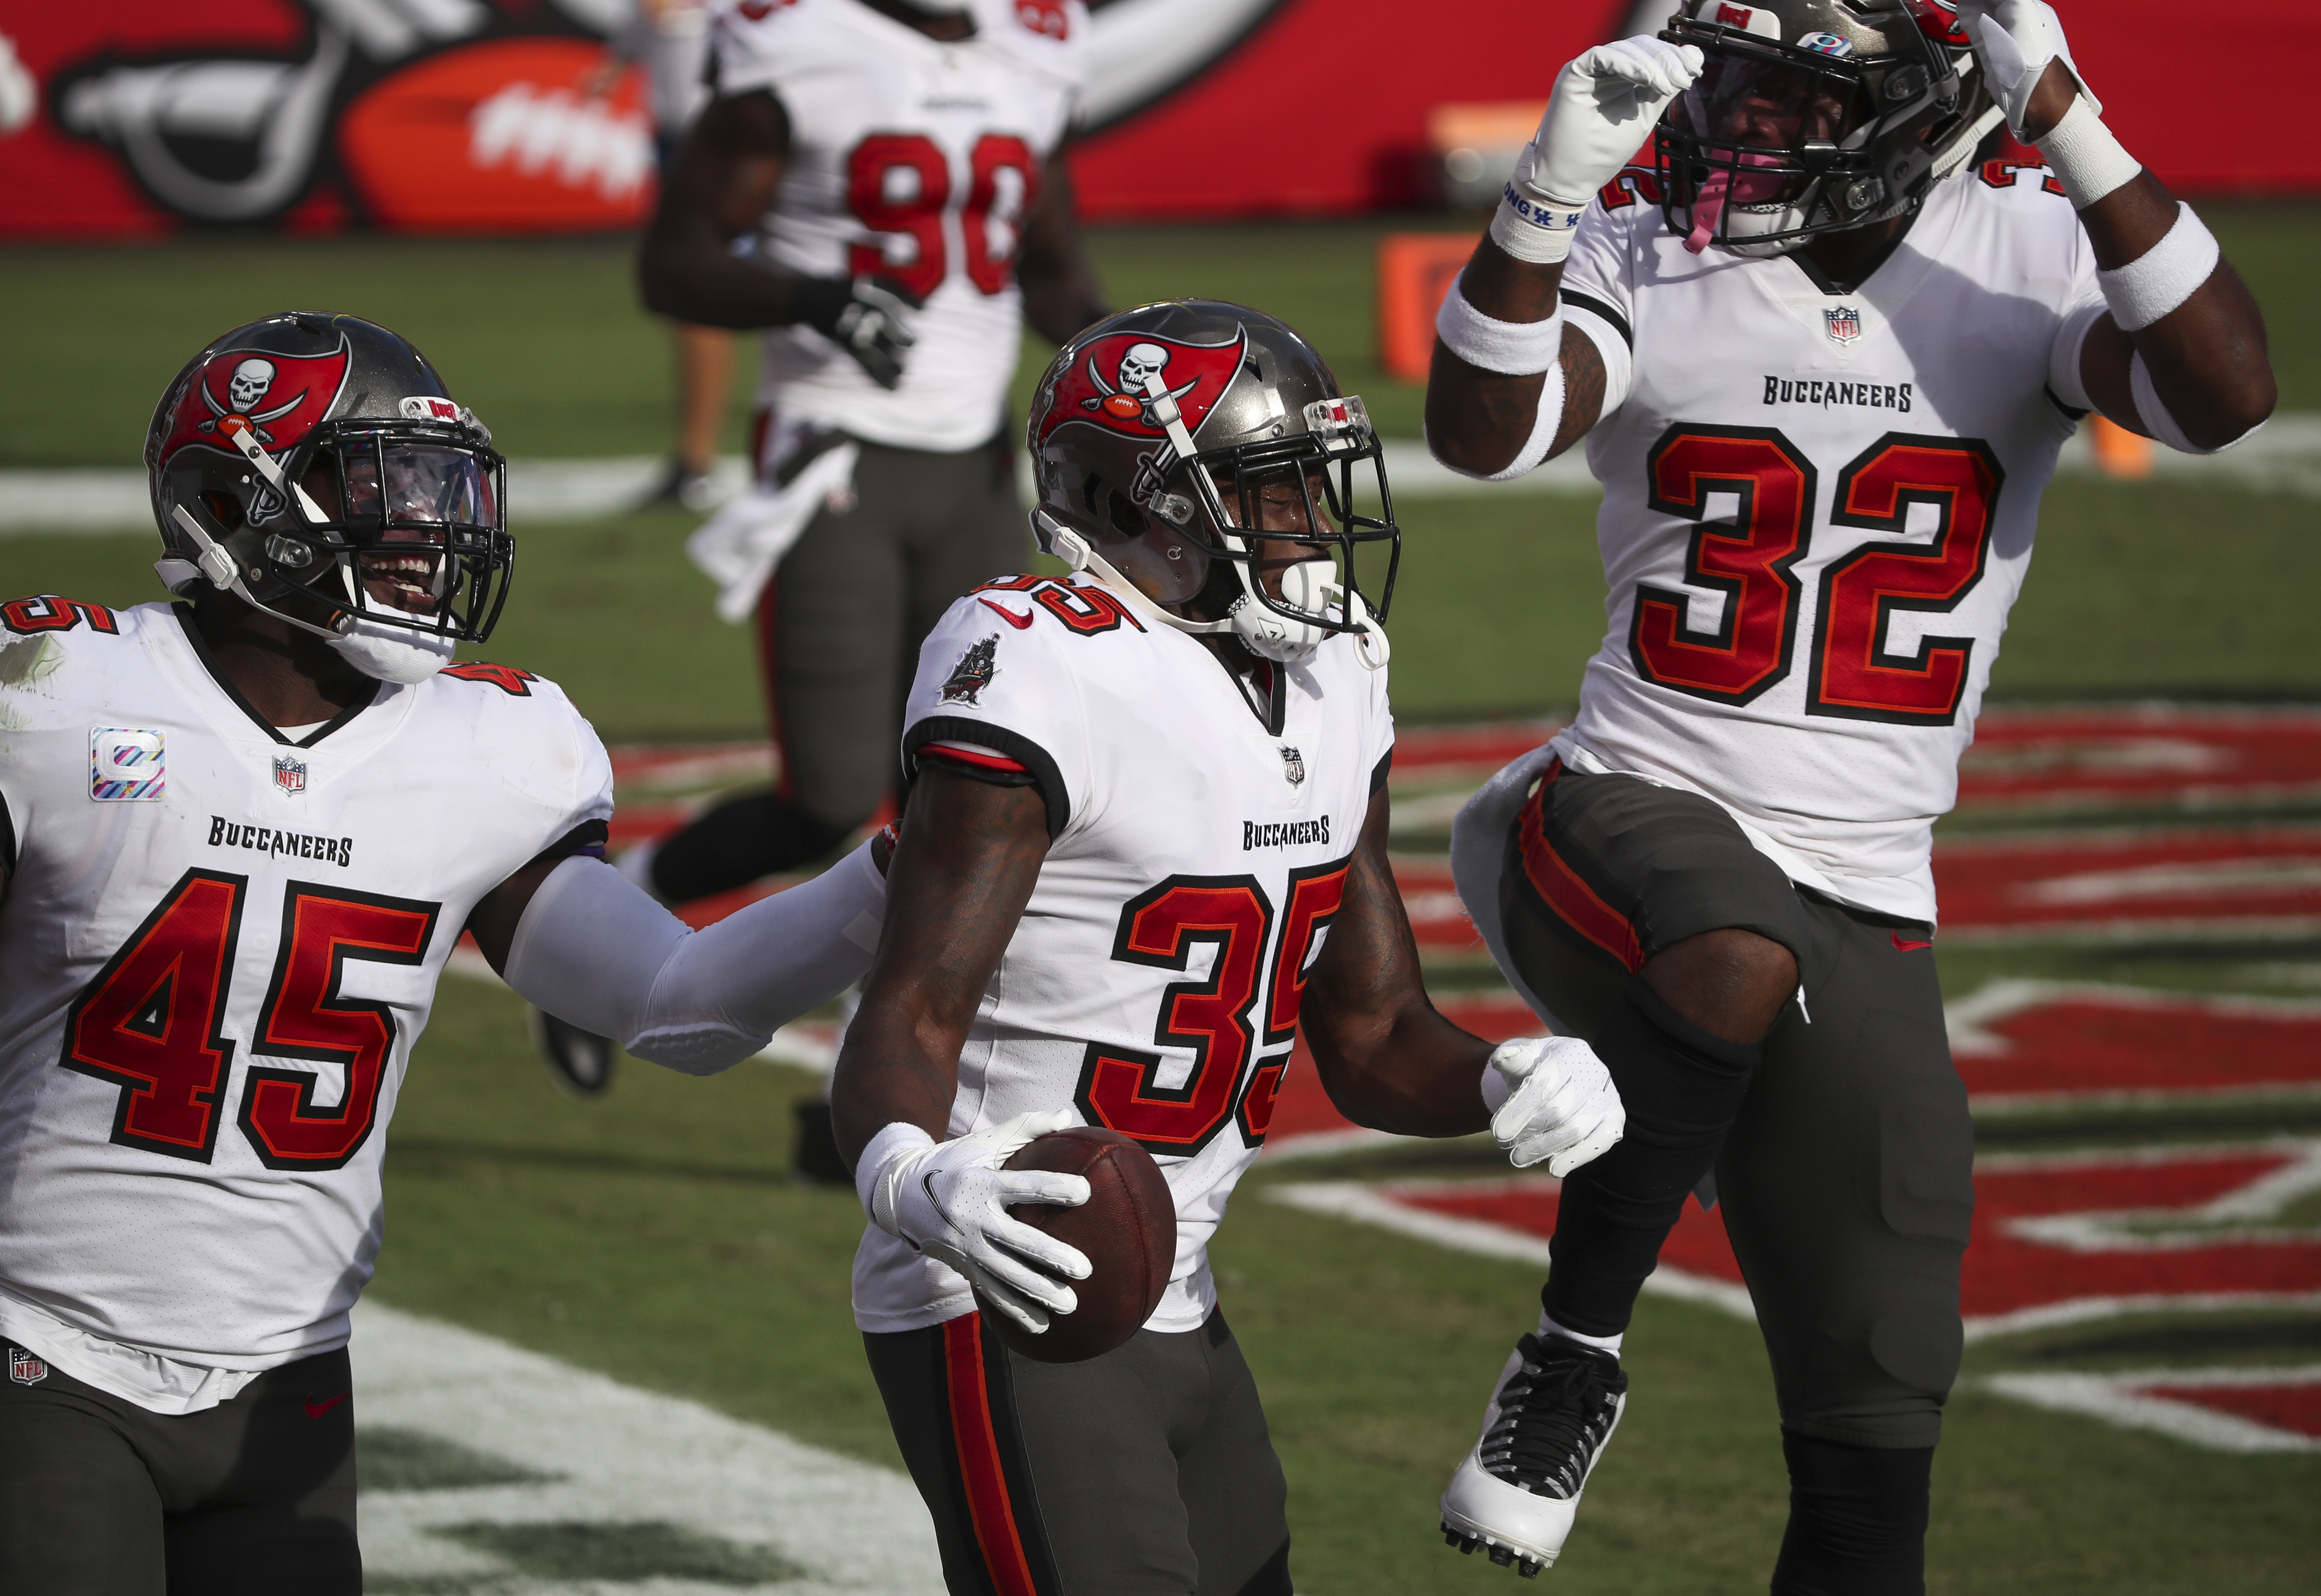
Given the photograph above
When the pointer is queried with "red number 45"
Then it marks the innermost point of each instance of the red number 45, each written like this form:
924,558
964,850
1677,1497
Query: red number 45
153,1021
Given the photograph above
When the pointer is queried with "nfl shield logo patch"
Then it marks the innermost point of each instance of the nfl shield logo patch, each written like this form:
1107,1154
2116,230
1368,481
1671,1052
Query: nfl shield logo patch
290,774
25,1369
1844,323
1293,765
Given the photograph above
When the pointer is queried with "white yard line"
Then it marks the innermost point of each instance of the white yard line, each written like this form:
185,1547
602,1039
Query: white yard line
2284,458
2127,1400
611,1453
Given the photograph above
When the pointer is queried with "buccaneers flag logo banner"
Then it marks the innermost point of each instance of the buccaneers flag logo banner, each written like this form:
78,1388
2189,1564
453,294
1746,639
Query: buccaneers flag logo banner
277,397
1107,385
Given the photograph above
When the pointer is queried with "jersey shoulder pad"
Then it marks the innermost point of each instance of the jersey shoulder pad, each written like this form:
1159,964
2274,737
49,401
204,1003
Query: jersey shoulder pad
1049,607
47,615
508,679
1051,34
2023,179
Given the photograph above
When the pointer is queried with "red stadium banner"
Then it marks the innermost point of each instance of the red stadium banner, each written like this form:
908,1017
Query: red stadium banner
472,116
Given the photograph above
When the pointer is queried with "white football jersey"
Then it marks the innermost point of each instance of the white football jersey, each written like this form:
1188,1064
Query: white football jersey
1198,853
914,162
1817,510
217,949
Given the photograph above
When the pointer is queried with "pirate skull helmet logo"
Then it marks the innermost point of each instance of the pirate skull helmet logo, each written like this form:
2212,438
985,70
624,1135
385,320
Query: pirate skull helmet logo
1131,400
248,385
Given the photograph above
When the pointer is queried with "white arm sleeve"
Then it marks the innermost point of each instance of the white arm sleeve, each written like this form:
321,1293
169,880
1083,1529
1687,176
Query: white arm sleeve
594,950
2063,378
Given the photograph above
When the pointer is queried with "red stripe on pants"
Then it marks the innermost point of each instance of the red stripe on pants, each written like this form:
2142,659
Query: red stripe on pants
989,1505
1574,901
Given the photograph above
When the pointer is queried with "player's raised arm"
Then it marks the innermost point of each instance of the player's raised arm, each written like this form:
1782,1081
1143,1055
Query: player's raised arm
2179,355
1512,384
718,190
1390,1062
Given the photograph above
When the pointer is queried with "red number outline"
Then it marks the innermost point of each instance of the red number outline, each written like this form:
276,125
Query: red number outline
46,613
101,1025
919,218
2002,173
1751,559
1317,893
305,1016
1158,928
1853,677
1088,611
992,154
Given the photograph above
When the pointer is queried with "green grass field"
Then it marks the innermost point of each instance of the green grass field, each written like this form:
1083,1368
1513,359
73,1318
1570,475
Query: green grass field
658,1237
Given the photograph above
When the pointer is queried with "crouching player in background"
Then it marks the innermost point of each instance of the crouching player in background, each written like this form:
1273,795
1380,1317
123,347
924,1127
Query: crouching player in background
239,838
1147,841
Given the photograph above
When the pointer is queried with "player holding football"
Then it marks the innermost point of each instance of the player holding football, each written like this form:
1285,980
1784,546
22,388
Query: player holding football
1824,362
239,838
877,184
1146,843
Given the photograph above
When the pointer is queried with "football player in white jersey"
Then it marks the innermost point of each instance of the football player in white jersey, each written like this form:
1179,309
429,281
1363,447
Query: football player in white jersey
239,838
878,185
1823,357
1146,843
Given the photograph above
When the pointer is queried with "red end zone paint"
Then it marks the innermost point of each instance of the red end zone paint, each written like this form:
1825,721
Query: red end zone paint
2144,754
2270,878
2046,1233
2018,1042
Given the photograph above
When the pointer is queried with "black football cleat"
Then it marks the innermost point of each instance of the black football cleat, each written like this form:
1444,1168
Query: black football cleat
1556,1405
581,1060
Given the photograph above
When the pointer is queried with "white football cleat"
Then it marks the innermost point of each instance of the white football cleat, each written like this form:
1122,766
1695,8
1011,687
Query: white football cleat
1556,1404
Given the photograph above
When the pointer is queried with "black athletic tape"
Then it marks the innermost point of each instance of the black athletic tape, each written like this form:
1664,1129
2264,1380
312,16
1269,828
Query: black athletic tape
1597,308
958,728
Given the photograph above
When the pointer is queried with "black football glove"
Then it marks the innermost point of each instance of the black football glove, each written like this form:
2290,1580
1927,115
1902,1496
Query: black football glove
868,320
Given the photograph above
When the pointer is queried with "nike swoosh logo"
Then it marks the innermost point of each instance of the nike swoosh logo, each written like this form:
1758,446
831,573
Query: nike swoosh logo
316,1410
1908,947
1006,614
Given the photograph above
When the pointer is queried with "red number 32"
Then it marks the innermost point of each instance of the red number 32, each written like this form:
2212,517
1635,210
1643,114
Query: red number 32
1850,673
151,1021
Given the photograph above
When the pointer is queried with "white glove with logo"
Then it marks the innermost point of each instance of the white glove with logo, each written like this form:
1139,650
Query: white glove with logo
2014,41
1561,1104
949,1200
1604,106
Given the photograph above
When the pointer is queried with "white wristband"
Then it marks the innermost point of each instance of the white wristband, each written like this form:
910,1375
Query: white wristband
889,1152
1514,348
1532,227
2089,162
2164,276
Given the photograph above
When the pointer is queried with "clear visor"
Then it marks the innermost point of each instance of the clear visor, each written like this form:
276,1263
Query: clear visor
426,489
1747,103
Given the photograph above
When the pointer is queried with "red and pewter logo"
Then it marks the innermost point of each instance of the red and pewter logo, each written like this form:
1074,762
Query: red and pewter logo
25,1369
1107,386
276,399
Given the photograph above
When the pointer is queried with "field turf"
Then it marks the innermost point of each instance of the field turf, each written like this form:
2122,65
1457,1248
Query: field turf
658,1236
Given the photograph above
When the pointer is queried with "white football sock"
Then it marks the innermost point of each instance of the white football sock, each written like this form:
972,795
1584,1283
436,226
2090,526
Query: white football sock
1611,1344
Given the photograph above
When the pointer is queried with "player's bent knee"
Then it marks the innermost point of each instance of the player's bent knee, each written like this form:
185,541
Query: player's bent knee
1730,982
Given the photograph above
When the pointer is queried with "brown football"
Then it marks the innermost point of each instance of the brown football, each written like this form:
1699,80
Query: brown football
1127,1227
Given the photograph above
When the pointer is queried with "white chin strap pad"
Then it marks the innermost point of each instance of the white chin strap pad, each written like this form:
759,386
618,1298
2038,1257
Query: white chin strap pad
594,950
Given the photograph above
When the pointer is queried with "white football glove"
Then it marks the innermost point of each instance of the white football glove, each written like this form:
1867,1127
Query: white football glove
2014,41
1603,108
949,1200
1561,1104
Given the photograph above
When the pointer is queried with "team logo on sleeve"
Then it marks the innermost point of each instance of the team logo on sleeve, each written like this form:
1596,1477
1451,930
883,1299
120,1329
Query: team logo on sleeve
289,775
973,673
25,1369
125,765
1844,322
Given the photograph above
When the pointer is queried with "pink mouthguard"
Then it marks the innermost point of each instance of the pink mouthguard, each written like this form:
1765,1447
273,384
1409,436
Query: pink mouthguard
1709,204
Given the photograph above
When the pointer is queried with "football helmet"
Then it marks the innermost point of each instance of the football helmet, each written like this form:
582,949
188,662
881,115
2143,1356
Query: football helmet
316,467
1172,442
1812,116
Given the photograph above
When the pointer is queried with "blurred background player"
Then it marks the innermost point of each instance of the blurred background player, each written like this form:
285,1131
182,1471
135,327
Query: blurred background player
878,185
1096,757
1824,388
239,836
671,39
